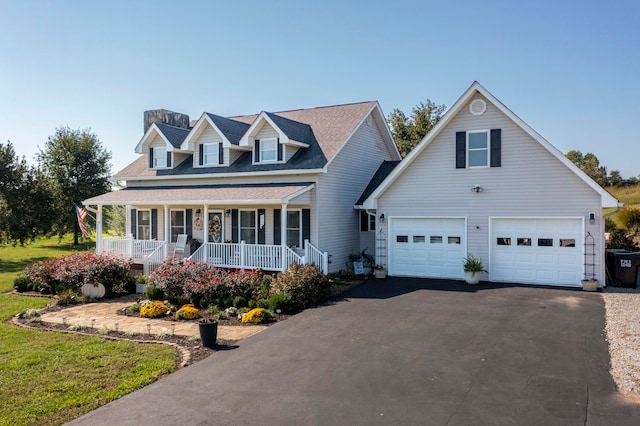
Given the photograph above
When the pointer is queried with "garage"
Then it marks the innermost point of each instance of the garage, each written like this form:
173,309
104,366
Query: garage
427,247
537,251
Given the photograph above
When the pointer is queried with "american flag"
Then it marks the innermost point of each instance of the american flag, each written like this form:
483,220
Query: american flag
81,215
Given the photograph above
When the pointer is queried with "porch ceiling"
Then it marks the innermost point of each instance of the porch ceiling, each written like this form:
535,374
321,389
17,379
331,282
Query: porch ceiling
210,195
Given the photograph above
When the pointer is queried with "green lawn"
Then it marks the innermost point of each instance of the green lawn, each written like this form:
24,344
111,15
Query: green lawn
629,195
49,378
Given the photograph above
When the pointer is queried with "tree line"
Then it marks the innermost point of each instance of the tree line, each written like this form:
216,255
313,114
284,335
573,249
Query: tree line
40,200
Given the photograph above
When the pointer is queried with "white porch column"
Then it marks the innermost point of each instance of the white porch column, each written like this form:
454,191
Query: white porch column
167,230
205,224
283,235
99,229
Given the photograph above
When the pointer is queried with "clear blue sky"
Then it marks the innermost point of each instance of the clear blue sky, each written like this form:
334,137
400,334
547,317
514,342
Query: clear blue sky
569,69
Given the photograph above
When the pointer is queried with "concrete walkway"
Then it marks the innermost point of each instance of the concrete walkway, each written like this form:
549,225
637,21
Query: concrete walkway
104,315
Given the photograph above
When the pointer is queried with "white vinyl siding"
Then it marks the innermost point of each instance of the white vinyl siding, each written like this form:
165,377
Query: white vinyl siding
339,189
530,183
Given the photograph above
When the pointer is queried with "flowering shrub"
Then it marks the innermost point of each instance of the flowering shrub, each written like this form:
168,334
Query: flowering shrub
187,312
203,284
256,316
304,283
154,309
74,270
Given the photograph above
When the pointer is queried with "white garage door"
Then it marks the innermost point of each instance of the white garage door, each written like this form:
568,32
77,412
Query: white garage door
422,247
537,251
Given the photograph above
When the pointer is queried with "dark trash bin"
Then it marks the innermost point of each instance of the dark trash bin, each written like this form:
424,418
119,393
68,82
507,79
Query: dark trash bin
626,269
610,264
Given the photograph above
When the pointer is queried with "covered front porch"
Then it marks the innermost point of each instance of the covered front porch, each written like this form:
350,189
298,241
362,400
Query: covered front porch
243,226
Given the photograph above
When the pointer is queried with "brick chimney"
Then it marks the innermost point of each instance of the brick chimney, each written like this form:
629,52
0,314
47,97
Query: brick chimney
171,118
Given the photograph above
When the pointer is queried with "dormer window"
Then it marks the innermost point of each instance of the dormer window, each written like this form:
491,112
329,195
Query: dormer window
210,154
268,150
159,158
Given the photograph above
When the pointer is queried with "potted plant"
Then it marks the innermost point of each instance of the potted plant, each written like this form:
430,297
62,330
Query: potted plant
472,269
379,271
208,332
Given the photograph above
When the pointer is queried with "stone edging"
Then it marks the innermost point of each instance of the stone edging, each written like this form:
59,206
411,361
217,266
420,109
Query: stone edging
185,355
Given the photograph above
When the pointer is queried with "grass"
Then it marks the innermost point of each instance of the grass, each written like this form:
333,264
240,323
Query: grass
49,378
629,195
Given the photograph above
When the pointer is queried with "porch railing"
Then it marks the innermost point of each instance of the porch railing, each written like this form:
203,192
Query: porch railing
225,255
153,260
137,250
314,256
254,256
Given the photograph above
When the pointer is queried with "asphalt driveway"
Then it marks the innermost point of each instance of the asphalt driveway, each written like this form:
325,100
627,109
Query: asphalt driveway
403,351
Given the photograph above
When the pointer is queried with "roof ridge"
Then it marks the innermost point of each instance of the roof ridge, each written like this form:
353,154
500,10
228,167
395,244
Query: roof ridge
306,109
173,127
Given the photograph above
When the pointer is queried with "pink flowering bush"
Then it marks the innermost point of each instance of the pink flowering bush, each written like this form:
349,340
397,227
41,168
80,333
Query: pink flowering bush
203,284
74,270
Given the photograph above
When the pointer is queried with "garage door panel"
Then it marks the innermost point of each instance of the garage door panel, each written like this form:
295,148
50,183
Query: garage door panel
433,248
537,251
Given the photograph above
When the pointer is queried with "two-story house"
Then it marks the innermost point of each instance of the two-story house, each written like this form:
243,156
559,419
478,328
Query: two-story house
261,190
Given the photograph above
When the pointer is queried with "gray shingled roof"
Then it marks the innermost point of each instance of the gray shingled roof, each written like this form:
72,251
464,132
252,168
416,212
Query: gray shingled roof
175,135
294,130
328,128
381,174
232,129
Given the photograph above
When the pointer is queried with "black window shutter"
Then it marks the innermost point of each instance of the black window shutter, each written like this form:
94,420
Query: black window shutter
496,147
306,225
220,154
261,229
201,154
151,158
168,159
234,225
256,151
134,228
154,224
188,225
279,150
277,227
461,150
364,221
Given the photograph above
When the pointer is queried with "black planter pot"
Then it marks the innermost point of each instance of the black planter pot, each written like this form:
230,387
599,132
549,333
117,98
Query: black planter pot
208,333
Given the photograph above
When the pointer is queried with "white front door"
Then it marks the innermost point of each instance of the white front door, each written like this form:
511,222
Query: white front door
546,251
427,247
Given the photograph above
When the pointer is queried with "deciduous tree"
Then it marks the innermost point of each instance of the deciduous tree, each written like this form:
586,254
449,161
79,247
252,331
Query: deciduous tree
26,199
79,168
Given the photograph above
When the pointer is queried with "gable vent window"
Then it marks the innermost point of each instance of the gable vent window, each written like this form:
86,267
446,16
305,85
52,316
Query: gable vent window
477,107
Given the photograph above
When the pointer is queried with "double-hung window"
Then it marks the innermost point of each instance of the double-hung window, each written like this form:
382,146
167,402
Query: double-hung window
177,224
210,153
268,150
248,228
294,228
143,231
478,148
159,158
